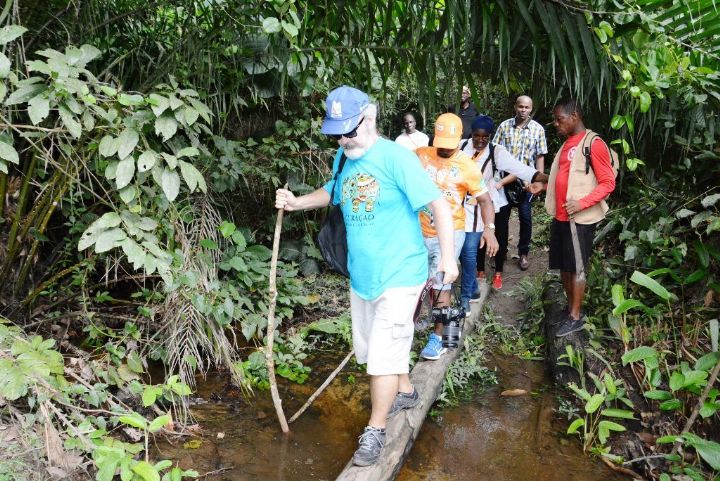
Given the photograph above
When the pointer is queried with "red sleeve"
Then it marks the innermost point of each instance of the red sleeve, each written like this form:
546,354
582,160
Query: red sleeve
600,160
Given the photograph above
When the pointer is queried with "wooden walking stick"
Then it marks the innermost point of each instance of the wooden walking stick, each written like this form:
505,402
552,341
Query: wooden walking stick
269,361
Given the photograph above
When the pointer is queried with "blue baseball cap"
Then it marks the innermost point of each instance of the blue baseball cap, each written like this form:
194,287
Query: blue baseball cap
343,108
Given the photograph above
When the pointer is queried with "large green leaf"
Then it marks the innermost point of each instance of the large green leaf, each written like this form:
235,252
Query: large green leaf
625,305
127,141
109,239
618,413
125,172
146,160
650,283
639,354
170,184
8,152
10,32
166,126
38,108
193,177
4,66
594,403
12,380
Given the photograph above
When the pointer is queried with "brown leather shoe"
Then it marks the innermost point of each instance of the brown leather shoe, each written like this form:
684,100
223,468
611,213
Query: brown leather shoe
524,263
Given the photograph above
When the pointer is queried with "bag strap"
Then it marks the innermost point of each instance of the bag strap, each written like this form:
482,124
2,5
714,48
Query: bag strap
579,265
343,158
587,151
491,158
464,144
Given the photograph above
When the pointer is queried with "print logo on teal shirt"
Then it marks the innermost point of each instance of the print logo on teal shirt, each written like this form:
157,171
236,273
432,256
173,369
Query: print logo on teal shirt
361,190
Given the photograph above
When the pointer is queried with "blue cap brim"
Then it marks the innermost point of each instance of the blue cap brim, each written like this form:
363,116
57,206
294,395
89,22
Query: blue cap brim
339,127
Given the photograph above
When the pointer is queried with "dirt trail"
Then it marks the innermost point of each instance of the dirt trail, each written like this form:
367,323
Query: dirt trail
502,438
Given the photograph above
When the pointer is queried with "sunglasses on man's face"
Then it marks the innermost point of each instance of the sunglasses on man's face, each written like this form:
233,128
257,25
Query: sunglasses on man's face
350,135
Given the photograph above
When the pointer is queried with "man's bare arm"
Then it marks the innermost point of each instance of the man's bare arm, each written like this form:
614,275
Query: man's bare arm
284,199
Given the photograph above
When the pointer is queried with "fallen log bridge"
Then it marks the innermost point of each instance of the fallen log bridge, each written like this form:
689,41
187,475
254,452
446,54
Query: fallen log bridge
403,429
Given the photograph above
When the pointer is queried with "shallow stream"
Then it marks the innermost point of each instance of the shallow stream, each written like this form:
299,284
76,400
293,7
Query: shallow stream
489,437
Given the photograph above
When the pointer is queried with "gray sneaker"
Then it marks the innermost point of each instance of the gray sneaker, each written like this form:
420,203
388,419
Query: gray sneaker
372,441
404,401
569,326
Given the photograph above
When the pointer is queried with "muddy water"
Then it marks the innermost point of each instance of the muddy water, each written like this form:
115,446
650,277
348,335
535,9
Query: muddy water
502,438
491,437
241,440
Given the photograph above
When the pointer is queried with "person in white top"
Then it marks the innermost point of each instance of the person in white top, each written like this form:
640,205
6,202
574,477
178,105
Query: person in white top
499,168
411,138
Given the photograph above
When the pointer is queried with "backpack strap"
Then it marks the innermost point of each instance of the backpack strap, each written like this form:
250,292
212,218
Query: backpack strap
343,158
464,144
491,158
587,151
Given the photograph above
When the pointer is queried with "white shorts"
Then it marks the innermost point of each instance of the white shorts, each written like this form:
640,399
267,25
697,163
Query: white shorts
433,247
383,329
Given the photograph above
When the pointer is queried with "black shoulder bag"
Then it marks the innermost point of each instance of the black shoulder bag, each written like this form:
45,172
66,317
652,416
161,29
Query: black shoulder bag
515,192
332,239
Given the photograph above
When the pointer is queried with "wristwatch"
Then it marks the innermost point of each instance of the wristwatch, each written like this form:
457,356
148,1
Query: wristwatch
490,226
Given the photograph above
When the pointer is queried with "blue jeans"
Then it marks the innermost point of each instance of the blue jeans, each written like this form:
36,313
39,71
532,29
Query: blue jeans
525,216
468,261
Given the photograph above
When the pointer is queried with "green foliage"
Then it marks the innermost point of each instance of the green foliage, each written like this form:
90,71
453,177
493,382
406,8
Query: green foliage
467,374
709,451
609,391
59,397
171,391
529,342
125,166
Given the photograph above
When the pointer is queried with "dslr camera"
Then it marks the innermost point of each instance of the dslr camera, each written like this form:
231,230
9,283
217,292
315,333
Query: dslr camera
452,318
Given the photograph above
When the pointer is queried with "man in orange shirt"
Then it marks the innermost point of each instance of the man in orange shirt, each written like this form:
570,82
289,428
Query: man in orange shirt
456,175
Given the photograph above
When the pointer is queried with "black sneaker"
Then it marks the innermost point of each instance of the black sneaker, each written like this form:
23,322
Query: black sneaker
570,326
372,441
404,401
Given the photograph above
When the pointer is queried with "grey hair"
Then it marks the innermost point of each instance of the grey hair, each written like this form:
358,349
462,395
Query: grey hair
371,111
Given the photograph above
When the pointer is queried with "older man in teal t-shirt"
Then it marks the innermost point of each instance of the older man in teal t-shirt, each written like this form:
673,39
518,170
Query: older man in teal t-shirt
380,190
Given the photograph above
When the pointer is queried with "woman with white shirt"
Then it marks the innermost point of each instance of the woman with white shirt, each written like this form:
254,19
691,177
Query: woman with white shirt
499,168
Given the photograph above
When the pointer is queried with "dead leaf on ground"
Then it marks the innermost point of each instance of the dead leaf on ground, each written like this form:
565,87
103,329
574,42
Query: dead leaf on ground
709,298
221,435
8,433
56,453
514,392
647,438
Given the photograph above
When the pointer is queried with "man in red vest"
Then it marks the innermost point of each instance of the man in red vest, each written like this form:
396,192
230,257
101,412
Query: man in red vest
581,178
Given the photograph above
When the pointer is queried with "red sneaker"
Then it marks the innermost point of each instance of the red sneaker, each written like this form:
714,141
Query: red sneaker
497,281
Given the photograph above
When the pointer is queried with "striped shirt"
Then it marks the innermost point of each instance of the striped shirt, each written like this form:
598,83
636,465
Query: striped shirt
524,143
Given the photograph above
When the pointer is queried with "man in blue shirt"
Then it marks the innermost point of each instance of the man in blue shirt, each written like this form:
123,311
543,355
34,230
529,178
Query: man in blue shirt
380,190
